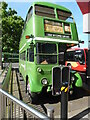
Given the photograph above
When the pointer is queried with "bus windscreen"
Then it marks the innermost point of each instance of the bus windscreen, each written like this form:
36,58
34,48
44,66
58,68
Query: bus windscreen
46,53
77,56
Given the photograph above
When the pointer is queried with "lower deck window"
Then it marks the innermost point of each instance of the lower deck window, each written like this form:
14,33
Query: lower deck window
30,55
22,55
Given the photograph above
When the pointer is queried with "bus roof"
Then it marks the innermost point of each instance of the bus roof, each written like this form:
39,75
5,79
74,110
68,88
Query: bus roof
52,5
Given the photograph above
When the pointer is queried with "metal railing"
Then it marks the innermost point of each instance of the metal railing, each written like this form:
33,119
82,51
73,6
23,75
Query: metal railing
11,107
10,57
5,77
4,69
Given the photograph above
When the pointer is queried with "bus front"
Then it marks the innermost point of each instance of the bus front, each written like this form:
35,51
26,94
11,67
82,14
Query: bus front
54,32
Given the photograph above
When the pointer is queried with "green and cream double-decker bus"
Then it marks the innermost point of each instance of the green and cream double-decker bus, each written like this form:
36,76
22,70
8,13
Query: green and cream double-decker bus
49,30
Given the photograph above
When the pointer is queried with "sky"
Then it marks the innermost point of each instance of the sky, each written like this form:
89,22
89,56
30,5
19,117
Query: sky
22,8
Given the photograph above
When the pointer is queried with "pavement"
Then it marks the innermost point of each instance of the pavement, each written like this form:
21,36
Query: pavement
2,76
78,106
77,109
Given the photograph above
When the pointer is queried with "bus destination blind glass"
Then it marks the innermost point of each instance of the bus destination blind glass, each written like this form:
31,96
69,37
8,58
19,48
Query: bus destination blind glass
51,26
55,29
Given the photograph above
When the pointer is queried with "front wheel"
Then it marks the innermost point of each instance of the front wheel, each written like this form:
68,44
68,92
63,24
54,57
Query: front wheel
33,96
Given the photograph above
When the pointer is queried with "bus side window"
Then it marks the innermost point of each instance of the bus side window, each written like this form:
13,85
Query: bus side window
27,54
24,55
29,15
30,12
31,55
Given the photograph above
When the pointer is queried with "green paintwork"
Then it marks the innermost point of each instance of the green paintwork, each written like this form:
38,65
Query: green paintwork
74,32
79,80
35,26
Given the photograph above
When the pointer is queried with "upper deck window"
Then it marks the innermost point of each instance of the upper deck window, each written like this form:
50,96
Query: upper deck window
30,12
29,15
44,11
64,15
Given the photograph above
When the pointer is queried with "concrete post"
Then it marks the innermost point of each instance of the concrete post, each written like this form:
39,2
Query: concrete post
50,112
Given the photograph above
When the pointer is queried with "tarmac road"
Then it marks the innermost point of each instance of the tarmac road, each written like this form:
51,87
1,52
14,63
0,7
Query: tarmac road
78,105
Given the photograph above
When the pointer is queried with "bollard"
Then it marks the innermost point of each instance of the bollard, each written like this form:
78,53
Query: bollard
64,92
60,84
50,112
64,102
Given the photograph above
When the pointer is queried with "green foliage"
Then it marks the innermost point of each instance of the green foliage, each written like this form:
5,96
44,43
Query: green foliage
12,25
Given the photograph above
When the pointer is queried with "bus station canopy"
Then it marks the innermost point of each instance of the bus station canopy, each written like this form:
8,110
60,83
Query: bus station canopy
84,6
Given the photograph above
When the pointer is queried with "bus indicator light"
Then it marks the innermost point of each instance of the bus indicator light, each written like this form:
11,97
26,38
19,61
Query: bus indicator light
27,36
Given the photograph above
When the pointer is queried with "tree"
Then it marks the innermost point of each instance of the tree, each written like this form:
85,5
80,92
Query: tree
0,38
12,25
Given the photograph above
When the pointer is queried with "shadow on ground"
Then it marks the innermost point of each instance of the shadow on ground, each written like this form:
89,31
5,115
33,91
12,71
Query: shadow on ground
45,98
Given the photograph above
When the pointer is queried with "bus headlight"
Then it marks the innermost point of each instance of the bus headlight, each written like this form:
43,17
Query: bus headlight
44,81
72,79
39,69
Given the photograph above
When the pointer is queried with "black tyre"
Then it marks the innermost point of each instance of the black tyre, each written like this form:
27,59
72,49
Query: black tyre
77,92
33,96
